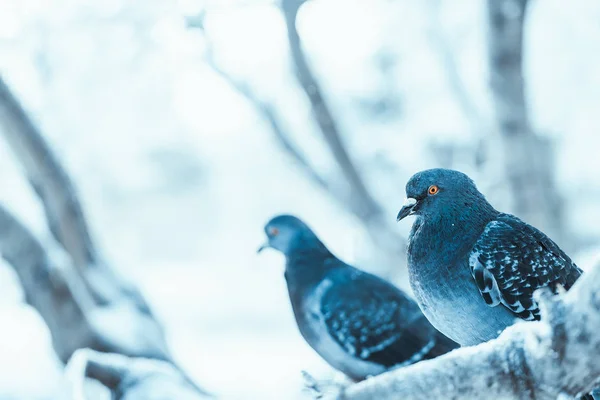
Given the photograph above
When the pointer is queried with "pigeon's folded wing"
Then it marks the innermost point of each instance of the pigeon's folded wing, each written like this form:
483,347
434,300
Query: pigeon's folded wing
512,259
375,322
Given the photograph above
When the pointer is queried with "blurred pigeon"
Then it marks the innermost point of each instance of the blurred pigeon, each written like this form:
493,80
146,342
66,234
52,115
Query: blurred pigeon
359,323
474,269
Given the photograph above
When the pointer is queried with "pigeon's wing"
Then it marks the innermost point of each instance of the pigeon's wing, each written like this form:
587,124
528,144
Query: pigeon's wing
374,321
512,259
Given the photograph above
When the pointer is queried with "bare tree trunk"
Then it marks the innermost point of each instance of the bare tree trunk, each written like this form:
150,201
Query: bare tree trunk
93,308
556,357
528,159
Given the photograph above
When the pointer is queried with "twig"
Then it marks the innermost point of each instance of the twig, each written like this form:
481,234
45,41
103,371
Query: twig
457,84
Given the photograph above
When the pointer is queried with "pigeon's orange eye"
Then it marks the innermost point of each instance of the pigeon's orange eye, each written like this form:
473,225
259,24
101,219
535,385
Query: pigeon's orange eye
433,190
273,231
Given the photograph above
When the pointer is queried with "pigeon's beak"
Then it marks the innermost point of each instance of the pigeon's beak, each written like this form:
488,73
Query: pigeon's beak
407,208
264,246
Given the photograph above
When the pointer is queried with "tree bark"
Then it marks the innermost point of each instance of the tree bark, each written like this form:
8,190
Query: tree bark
528,159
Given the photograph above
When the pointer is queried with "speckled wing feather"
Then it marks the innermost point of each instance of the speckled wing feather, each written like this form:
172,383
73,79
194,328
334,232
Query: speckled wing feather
512,259
375,322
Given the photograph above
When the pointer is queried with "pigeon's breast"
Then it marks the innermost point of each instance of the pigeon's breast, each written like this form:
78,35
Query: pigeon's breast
450,300
314,330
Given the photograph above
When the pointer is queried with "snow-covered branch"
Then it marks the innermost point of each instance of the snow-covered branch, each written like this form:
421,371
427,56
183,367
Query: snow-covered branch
556,357
268,111
94,308
131,378
353,194
365,204
49,289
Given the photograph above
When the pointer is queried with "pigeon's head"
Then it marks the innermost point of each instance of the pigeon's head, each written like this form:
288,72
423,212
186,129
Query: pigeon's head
438,191
286,233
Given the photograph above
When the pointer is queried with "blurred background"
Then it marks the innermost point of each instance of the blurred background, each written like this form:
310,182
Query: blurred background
184,126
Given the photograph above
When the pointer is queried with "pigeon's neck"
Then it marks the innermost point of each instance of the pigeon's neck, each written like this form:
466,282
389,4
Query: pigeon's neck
307,264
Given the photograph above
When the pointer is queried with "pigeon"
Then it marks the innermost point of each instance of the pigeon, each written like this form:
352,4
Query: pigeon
473,269
357,322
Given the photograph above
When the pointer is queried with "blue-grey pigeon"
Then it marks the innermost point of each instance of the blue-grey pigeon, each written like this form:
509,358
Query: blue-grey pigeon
473,269
359,323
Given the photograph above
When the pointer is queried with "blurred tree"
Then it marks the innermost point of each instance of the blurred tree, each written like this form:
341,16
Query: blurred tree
94,308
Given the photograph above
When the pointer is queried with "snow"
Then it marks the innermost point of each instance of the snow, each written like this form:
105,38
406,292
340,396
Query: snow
178,174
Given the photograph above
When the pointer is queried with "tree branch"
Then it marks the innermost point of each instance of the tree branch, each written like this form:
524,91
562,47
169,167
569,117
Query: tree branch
357,201
95,308
366,207
48,178
361,203
530,360
50,290
268,111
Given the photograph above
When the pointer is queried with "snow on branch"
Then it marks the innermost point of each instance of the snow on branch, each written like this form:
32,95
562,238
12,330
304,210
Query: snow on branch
365,205
131,378
49,289
556,357
353,195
